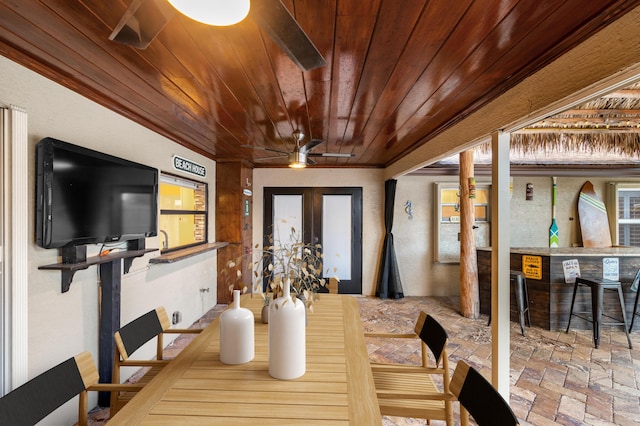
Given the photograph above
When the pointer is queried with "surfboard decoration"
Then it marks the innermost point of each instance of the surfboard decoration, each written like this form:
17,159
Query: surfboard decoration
554,236
594,222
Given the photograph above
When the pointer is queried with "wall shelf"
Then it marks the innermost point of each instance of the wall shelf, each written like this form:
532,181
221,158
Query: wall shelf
110,277
182,254
69,269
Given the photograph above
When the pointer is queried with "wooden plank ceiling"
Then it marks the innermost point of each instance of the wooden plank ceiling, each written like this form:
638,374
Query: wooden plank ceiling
397,73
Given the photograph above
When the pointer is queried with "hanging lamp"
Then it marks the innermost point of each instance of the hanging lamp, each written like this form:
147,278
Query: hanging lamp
213,12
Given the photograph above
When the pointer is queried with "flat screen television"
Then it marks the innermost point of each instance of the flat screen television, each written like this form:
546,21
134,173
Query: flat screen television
88,197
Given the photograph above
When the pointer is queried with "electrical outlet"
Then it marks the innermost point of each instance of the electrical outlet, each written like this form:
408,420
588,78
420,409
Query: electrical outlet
176,317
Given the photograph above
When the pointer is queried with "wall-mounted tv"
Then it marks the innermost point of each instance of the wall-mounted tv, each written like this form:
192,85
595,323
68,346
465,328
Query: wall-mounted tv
87,197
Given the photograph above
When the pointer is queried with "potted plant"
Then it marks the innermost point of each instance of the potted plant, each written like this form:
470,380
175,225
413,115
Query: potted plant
293,261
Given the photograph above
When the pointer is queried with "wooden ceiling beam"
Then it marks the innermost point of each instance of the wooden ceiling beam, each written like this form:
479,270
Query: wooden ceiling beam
584,122
608,112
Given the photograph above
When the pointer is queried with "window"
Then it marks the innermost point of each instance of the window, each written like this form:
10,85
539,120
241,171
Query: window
627,213
450,203
447,235
183,212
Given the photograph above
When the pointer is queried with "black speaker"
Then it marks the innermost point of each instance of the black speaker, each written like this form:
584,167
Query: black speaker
138,244
74,254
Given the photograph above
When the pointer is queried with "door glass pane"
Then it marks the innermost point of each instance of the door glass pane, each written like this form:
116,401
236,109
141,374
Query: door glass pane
287,222
287,216
336,235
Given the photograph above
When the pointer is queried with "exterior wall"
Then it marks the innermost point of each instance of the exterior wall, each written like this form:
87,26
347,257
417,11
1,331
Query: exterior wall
372,185
63,324
530,220
414,240
529,223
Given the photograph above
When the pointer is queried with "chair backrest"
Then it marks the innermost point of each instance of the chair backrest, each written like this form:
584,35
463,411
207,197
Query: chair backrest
34,400
333,285
132,336
480,398
433,335
635,282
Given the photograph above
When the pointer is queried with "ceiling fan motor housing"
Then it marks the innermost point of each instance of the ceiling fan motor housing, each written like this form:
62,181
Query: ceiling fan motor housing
297,159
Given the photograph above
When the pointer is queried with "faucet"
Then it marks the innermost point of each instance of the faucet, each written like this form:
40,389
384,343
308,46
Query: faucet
165,243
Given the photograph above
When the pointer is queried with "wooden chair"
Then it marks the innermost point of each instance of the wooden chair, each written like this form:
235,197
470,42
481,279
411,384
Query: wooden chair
130,338
333,286
411,391
479,398
40,396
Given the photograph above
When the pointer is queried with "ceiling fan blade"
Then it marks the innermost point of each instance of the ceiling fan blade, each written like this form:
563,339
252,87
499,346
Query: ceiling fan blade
310,145
142,22
274,18
310,162
261,148
331,154
275,157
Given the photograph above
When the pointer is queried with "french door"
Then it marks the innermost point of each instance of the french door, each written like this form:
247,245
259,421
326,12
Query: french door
331,217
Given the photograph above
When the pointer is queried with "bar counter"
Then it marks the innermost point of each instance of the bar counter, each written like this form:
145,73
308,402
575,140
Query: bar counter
549,294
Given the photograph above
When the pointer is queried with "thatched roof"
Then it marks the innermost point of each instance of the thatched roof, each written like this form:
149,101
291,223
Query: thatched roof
606,129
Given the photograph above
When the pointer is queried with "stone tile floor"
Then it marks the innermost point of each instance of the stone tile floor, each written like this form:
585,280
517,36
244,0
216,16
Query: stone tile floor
556,377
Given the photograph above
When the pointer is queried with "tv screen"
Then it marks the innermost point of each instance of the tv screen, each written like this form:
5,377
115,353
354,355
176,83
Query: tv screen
86,197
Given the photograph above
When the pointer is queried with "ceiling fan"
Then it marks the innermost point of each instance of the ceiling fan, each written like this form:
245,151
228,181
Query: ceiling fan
144,19
300,156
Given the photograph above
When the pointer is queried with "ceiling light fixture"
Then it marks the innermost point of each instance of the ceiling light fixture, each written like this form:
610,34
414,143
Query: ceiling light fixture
297,159
213,12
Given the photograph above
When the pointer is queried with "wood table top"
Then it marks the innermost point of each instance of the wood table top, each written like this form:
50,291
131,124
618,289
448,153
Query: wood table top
337,388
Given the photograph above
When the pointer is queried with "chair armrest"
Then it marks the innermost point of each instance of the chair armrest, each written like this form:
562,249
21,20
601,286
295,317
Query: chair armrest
182,330
429,396
405,368
392,335
144,362
464,416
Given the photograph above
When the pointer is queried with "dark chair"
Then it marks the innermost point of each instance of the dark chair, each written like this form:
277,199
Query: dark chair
634,287
597,287
40,396
411,391
519,284
131,337
479,398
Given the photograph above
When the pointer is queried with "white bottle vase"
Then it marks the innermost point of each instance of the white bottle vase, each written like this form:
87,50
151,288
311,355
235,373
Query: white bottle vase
236,333
287,337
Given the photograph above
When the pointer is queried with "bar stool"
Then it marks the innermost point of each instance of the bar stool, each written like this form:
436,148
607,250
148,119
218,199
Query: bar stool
519,283
635,310
634,287
597,294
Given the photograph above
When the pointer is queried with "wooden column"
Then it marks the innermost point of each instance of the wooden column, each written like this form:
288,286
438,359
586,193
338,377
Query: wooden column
469,288
233,222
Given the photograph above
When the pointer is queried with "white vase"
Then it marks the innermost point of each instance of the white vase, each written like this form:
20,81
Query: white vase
287,337
236,333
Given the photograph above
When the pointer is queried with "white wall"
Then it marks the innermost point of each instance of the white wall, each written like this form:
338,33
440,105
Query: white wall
64,324
372,183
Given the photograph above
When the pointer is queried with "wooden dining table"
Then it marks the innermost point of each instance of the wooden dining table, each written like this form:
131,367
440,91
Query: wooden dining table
336,389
